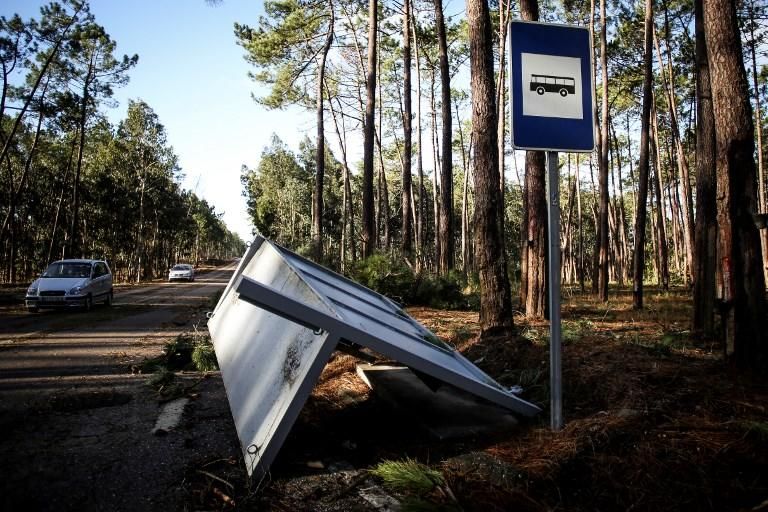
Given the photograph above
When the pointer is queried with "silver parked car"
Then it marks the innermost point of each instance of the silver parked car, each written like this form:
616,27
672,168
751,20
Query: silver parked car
67,283
181,271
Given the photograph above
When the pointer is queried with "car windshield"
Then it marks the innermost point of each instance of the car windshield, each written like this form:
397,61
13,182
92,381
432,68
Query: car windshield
68,269
181,267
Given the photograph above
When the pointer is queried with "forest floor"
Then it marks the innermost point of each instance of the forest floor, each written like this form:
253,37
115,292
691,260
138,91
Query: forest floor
654,421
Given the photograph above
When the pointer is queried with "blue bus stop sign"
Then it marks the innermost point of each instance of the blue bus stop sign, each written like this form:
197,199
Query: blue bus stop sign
552,87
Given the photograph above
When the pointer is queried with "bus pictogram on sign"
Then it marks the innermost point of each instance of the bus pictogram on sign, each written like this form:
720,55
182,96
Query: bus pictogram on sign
564,85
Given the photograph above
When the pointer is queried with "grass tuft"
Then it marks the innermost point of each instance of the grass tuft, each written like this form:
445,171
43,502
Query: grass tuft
408,476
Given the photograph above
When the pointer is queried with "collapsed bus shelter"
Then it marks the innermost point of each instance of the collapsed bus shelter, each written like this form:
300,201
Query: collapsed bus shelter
279,320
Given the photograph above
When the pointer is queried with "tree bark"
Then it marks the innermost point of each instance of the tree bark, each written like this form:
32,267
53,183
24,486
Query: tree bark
495,303
465,252
706,206
638,261
661,222
533,284
420,158
759,130
602,237
686,205
504,15
437,186
317,211
447,243
536,236
740,282
369,234
407,225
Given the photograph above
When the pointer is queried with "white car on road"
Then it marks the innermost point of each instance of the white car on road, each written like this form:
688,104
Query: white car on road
68,283
181,271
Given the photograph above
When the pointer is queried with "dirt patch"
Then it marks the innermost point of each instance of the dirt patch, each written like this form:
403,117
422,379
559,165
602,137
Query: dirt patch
89,400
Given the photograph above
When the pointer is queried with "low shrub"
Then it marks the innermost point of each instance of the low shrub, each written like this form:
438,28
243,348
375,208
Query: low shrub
393,278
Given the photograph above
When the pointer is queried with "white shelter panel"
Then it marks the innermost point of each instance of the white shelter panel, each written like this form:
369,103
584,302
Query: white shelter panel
276,325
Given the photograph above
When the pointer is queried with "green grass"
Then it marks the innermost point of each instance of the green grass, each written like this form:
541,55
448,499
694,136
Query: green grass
408,476
185,352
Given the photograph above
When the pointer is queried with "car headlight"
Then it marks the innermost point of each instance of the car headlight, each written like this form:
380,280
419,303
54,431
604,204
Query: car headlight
76,290
32,290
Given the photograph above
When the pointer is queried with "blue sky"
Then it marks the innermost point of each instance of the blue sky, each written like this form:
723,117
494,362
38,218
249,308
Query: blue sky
193,75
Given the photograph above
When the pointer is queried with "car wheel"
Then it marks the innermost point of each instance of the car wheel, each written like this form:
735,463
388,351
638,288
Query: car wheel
109,299
88,304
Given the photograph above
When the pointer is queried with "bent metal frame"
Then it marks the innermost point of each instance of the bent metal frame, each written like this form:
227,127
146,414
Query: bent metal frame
277,324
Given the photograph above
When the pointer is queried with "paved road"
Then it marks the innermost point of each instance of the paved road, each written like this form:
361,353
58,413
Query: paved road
76,415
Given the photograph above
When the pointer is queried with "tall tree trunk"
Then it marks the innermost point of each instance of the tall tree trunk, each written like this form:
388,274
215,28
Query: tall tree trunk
536,236
567,262
347,218
73,248
465,259
495,303
369,234
436,185
140,234
602,237
740,286
317,211
60,202
533,276
661,234
581,231
626,258
407,132
638,260
383,190
447,244
706,206
686,205
504,14
420,158
598,144
759,129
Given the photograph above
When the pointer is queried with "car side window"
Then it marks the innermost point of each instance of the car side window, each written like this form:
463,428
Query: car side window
100,270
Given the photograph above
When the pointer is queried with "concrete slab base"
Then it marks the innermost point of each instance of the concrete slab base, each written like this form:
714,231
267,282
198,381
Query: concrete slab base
445,411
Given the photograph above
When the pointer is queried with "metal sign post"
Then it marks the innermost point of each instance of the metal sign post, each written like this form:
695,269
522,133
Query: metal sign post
551,91
553,276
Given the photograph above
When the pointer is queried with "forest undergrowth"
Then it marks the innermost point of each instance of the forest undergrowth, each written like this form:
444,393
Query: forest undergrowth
654,421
